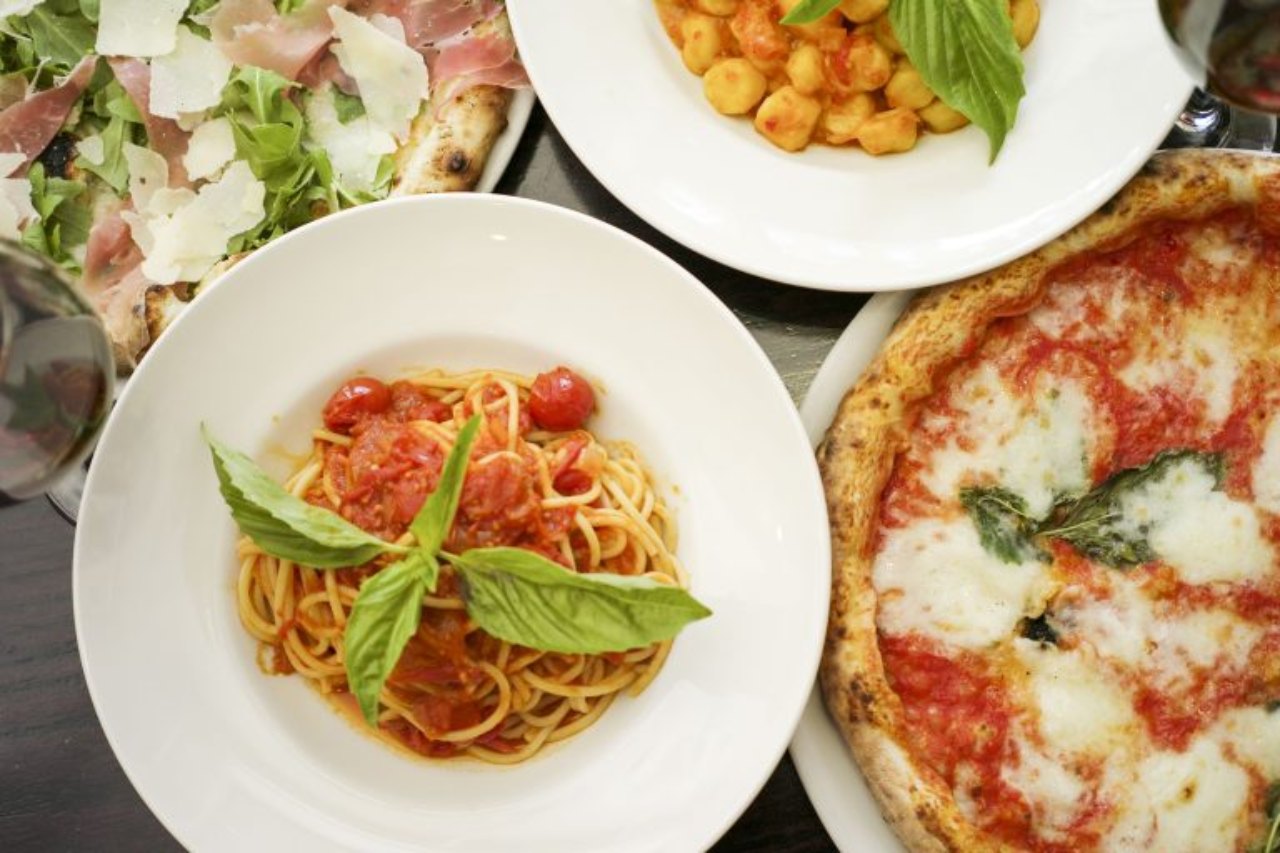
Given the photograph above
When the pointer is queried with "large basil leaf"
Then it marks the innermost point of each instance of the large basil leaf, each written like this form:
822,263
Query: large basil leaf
1094,524
526,599
808,11
432,523
283,525
1004,527
384,617
966,53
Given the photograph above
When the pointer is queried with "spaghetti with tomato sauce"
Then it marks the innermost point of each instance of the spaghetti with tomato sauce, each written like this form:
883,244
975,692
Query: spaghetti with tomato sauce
537,479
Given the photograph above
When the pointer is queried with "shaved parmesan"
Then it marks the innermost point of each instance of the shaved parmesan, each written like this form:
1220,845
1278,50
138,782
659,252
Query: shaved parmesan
148,172
935,578
138,27
188,236
190,78
355,149
391,76
211,147
92,149
1200,532
17,8
15,197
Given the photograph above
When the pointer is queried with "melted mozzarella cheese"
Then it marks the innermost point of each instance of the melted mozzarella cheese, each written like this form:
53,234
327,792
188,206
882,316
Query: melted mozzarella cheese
1266,471
935,578
1054,793
138,27
1199,531
1198,798
1198,360
190,78
1080,709
1037,449
1126,628
1252,737
392,76
1064,312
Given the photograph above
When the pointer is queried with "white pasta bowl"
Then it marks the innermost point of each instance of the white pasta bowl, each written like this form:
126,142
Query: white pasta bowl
1103,88
228,758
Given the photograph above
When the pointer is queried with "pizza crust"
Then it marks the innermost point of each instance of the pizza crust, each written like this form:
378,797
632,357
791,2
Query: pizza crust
872,426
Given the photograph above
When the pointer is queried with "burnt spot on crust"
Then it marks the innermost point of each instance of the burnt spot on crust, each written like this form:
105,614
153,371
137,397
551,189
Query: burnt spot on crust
457,162
57,156
863,699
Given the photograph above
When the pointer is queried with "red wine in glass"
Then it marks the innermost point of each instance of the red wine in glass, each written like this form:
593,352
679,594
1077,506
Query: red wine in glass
1232,48
56,375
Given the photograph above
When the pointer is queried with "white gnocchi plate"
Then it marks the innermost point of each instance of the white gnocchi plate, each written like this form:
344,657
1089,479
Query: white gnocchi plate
1103,88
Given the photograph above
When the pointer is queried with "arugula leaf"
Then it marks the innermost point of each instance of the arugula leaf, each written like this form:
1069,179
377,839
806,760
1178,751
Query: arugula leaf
808,11
113,169
90,9
1004,525
61,39
1094,526
260,91
431,524
63,223
1272,806
526,599
348,107
384,617
966,53
285,526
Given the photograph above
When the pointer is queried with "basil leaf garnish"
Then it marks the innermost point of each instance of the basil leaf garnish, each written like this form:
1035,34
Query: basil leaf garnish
1093,524
1004,525
285,526
966,53
385,615
808,11
526,599
431,524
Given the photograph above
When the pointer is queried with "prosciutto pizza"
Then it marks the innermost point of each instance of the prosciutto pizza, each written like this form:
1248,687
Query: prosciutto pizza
146,145
1055,508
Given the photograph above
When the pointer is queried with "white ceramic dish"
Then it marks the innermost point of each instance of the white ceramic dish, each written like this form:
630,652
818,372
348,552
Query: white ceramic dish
504,147
230,759
1103,88
831,777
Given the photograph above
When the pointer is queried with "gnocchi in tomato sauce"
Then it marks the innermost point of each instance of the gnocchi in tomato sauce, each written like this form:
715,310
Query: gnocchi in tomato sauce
842,80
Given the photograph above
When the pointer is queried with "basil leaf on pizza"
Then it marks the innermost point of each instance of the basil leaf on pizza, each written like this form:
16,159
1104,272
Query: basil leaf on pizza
1004,525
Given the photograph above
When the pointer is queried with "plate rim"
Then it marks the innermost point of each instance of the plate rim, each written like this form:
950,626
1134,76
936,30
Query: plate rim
789,412
651,212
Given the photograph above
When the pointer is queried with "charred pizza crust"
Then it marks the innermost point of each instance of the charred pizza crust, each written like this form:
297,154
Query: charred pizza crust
872,426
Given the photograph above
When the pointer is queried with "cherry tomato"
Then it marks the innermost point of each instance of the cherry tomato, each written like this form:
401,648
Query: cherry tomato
362,395
572,482
561,400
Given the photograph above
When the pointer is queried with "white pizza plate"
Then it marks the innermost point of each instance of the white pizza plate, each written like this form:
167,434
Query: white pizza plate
504,147
1103,89
230,759
830,776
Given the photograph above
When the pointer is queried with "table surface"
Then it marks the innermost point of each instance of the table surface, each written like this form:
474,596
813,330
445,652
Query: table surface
60,785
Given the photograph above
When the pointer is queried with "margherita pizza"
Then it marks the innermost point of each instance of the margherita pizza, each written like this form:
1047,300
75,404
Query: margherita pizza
1055,504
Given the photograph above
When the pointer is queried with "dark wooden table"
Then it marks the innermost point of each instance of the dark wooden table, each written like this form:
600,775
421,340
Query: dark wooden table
60,786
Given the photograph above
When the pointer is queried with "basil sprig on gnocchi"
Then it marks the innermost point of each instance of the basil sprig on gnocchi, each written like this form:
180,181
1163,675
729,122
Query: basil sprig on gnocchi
875,73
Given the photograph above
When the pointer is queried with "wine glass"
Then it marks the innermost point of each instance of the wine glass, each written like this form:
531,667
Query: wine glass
56,375
1232,48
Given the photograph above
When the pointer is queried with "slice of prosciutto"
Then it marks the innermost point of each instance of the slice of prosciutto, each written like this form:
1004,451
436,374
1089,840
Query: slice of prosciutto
110,254
427,22
468,54
163,134
509,75
28,126
253,32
